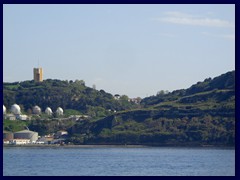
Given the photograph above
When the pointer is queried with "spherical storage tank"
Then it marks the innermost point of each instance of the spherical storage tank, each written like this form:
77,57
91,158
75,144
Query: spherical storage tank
48,111
36,110
59,111
15,109
26,134
4,109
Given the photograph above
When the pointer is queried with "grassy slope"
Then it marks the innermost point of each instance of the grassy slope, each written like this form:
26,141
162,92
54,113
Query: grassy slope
206,117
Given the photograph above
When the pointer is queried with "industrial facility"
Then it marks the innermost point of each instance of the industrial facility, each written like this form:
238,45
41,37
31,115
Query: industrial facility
16,113
26,134
20,137
26,137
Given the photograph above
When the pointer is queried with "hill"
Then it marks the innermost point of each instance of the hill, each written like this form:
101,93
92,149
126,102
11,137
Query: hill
203,114
66,94
219,89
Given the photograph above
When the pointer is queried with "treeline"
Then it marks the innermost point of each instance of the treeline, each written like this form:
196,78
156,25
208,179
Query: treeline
66,94
217,89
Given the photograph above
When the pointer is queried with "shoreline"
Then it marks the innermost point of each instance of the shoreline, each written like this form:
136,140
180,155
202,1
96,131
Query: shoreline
76,146
116,146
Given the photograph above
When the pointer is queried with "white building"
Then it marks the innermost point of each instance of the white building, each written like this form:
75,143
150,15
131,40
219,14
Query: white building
45,140
40,142
20,141
117,96
6,142
10,117
23,117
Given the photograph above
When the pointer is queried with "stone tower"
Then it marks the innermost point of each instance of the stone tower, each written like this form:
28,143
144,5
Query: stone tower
38,74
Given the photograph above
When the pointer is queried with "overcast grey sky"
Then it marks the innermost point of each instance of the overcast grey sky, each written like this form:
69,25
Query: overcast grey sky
135,50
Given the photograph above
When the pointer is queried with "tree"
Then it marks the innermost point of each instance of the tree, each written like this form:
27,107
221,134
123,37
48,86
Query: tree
79,82
160,93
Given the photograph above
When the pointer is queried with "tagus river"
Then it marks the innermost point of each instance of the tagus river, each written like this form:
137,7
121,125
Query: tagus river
118,161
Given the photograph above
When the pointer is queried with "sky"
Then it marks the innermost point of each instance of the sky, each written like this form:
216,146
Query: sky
133,50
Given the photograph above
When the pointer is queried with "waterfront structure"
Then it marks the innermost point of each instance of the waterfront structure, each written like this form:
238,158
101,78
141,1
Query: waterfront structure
26,134
19,141
46,139
15,109
6,142
40,142
48,111
38,74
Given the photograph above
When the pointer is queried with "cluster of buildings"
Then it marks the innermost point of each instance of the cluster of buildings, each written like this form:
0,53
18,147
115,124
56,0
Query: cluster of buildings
27,136
20,137
30,137
15,112
134,100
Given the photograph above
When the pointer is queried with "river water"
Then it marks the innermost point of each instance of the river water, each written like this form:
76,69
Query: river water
118,161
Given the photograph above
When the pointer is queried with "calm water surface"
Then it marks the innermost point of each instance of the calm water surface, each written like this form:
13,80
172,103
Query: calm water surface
118,161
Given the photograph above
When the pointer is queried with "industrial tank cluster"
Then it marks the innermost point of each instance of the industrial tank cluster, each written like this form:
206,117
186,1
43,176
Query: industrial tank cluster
16,110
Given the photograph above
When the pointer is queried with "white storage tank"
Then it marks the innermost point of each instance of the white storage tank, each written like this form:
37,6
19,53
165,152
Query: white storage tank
15,109
4,109
36,110
48,111
59,111
26,134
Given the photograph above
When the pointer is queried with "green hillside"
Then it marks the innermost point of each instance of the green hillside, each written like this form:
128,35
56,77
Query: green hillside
218,89
66,94
203,114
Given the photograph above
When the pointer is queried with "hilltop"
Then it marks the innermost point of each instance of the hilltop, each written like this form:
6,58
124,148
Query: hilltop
66,94
218,89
